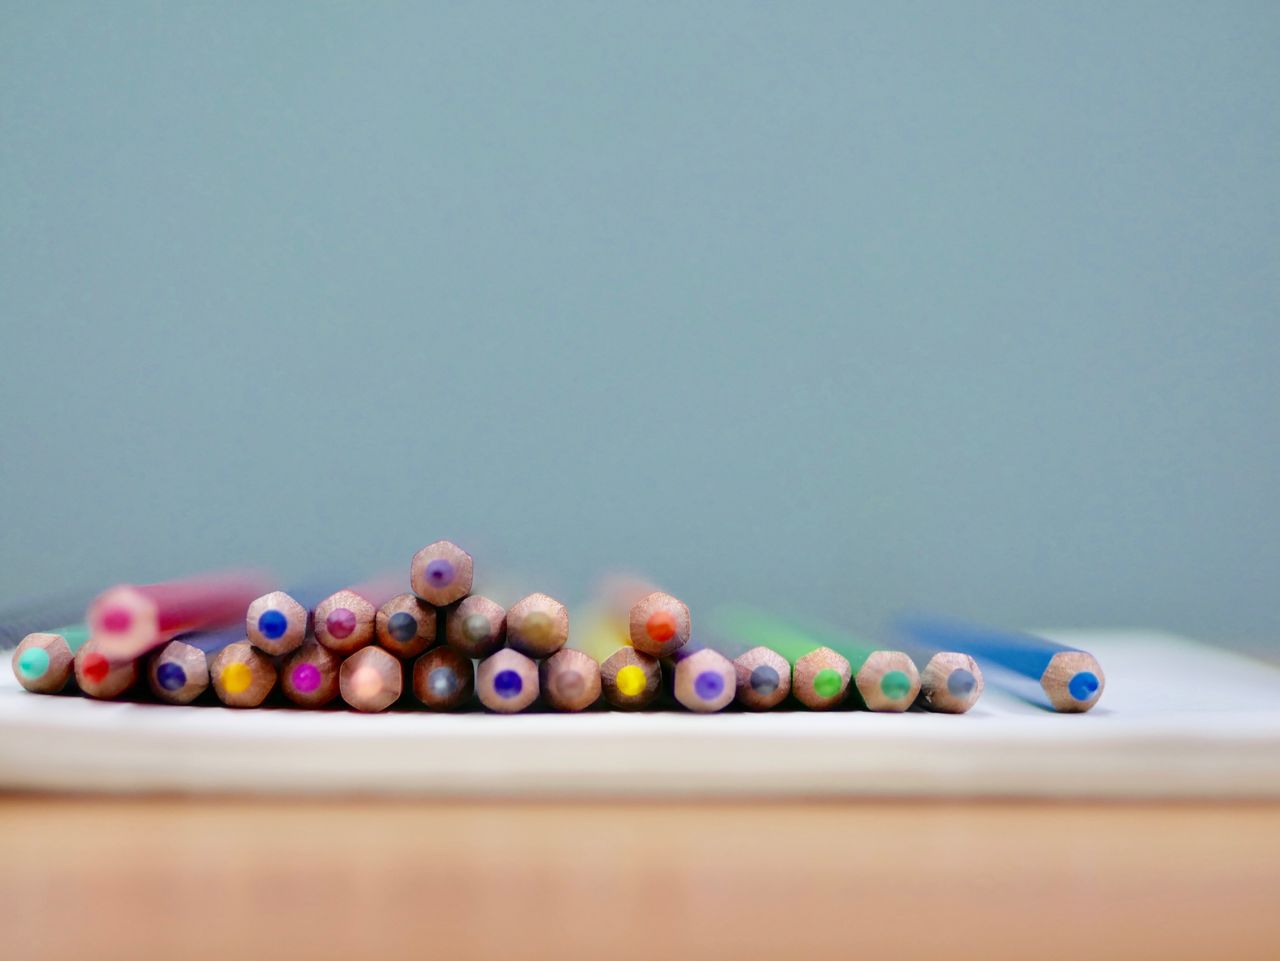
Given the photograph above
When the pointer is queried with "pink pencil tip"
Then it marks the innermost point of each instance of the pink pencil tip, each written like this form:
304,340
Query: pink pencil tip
116,620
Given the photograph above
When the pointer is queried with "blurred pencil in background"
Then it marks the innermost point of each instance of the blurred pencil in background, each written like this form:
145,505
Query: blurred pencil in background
41,614
44,661
1051,675
129,620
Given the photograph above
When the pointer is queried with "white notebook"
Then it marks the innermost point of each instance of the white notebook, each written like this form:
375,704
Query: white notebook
1177,720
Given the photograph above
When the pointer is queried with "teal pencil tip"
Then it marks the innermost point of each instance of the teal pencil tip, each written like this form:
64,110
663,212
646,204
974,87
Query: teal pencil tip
33,662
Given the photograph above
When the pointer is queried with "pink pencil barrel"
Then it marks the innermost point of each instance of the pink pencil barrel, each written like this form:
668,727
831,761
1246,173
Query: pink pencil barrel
128,620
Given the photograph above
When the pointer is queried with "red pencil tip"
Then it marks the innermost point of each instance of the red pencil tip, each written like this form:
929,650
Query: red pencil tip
661,626
96,667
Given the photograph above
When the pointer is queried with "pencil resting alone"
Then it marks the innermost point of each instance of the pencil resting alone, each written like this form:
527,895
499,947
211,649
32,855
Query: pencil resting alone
429,643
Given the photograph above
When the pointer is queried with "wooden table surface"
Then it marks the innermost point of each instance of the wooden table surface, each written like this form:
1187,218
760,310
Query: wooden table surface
357,879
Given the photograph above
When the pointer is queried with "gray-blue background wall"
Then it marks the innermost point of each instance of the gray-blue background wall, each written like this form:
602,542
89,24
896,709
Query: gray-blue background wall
853,306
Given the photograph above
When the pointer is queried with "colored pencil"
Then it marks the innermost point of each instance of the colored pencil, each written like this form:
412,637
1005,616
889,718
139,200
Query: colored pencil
702,680
242,676
763,678
629,679
882,680
45,660
178,673
569,680
537,625
309,677
441,573
507,681
130,620
1065,679
477,626
657,623
819,676
371,680
345,621
34,616
405,626
100,676
443,679
950,682
278,622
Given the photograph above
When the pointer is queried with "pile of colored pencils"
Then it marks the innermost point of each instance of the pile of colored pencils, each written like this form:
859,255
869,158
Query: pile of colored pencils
374,645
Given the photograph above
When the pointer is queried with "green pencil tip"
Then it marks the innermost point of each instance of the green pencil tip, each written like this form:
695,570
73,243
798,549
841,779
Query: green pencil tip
826,683
895,684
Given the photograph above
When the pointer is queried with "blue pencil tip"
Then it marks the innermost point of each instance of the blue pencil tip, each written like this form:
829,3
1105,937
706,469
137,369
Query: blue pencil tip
171,676
960,683
765,680
1083,686
272,624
